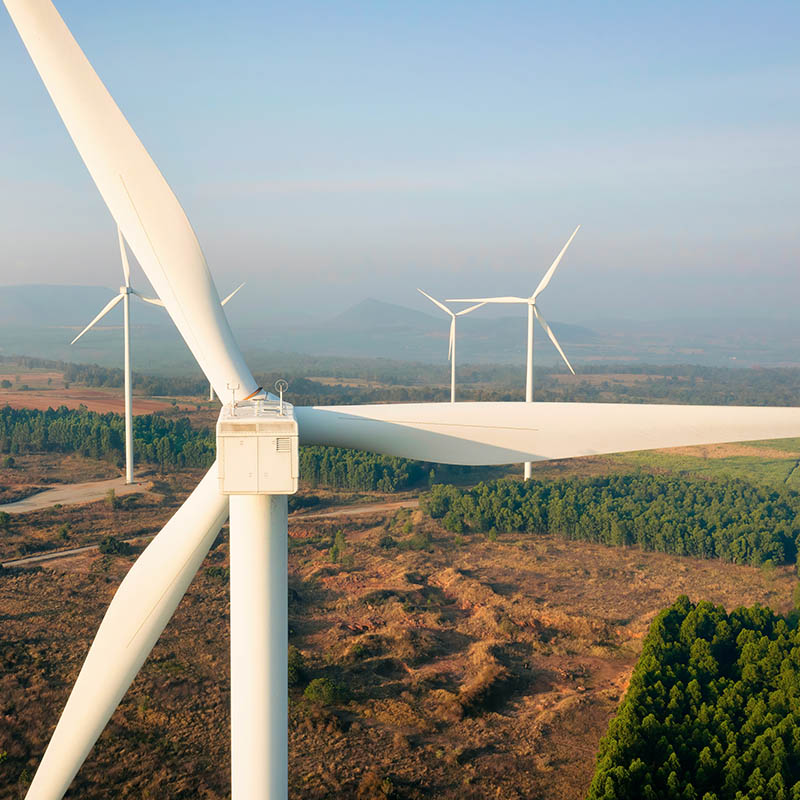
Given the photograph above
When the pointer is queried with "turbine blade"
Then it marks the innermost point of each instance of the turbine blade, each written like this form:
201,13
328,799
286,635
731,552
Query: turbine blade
126,267
483,300
452,338
436,302
549,274
552,336
154,301
106,308
139,611
471,308
140,200
232,293
508,433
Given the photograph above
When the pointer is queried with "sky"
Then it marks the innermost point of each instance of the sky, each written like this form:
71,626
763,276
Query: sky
328,152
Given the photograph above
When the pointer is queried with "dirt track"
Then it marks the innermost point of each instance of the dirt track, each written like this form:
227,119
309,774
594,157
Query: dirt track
116,483
71,494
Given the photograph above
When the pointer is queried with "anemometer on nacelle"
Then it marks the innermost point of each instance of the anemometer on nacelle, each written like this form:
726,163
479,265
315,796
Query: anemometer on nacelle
257,444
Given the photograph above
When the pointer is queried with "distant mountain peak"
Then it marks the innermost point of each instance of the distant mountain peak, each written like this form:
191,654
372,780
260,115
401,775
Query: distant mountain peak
371,315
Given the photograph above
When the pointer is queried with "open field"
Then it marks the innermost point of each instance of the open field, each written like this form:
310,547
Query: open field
100,400
474,668
771,462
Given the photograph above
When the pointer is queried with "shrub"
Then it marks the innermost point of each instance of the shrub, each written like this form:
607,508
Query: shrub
421,540
221,573
110,545
386,542
338,547
326,692
111,499
5,518
297,667
9,462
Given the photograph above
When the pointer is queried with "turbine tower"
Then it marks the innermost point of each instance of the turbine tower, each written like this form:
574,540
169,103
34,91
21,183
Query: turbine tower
451,352
159,234
124,295
533,311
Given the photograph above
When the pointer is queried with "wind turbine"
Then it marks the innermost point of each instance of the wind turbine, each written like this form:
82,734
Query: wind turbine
160,236
124,295
159,303
533,311
451,352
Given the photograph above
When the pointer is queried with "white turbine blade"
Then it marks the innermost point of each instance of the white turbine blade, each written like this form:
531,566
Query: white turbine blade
126,267
507,433
549,274
142,606
434,300
154,301
232,294
552,336
143,205
106,308
484,300
452,338
471,308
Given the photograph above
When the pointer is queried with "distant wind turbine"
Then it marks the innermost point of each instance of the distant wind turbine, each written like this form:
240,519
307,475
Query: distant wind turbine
533,311
124,295
451,353
160,303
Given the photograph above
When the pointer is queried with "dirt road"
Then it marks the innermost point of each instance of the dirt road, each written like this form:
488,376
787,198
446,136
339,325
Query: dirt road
73,493
342,511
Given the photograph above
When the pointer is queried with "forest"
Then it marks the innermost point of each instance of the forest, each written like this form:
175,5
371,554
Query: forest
724,518
712,711
172,443
158,440
339,468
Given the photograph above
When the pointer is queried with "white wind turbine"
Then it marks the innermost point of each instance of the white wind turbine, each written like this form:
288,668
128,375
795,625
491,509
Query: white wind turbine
124,295
533,311
451,352
160,236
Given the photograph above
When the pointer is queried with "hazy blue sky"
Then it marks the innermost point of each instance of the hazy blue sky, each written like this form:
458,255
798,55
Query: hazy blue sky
333,147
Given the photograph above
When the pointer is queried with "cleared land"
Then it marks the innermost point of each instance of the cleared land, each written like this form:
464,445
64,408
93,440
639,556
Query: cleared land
71,494
475,668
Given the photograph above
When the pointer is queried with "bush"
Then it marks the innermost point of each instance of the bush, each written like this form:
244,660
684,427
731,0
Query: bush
326,692
297,667
220,573
8,462
5,518
338,548
111,499
421,540
110,545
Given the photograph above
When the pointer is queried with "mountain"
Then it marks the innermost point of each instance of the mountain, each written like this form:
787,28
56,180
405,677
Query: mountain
373,315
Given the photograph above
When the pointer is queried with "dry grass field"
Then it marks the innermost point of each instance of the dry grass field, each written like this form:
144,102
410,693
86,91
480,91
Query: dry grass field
469,668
